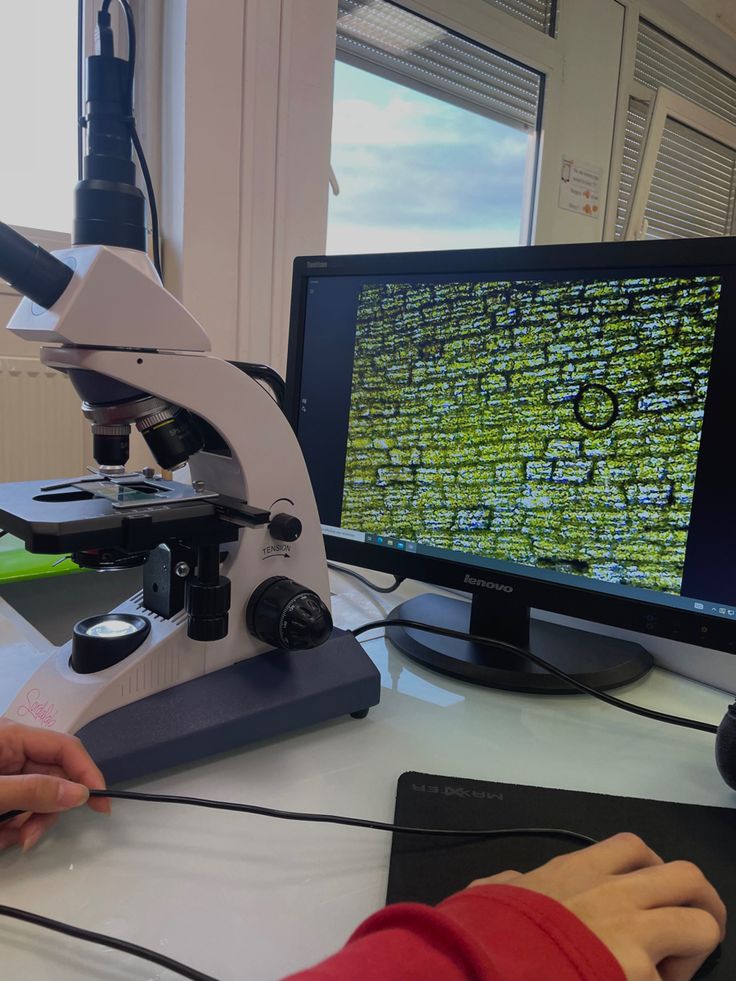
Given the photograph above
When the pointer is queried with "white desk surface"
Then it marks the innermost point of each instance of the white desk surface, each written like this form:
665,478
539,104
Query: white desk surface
252,898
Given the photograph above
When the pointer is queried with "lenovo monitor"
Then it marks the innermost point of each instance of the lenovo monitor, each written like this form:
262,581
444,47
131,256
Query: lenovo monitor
545,428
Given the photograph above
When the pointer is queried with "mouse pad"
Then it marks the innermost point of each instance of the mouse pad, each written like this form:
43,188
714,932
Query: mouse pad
426,870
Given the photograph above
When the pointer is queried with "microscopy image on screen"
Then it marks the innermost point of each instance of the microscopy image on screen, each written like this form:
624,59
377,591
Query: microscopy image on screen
552,424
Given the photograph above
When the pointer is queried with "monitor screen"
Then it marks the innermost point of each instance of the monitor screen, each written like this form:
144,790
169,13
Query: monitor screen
544,427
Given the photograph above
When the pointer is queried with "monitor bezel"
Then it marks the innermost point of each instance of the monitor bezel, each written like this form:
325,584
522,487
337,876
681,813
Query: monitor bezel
643,616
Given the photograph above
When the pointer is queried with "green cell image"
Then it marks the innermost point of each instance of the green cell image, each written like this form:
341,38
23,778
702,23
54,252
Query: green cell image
552,424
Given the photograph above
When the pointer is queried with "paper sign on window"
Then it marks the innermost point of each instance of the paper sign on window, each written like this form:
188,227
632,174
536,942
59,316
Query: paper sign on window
580,187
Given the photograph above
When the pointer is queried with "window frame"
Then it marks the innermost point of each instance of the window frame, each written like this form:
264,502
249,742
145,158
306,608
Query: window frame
533,154
688,28
265,191
669,105
551,57
542,53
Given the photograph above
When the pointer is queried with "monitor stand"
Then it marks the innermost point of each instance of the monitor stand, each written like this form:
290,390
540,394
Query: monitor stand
597,661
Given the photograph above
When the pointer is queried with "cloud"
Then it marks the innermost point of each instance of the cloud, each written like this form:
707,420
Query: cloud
346,239
414,120
416,172
433,185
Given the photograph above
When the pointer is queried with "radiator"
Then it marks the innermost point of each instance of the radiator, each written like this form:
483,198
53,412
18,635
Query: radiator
42,431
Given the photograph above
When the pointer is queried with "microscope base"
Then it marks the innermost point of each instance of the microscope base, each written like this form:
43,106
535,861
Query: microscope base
259,698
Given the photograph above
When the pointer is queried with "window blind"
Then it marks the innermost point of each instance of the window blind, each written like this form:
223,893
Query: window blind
694,183
636,127
693,187
384,38
660,60
539,14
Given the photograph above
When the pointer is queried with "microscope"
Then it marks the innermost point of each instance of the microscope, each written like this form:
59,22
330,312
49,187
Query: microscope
230,640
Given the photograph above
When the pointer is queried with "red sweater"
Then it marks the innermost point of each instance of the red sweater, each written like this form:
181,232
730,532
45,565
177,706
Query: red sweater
487,933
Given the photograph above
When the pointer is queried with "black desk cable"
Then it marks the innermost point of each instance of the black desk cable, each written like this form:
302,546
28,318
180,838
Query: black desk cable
366,582
674,720
189,972
105,941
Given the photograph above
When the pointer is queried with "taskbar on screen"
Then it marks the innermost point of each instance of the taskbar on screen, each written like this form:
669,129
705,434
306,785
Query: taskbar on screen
495,565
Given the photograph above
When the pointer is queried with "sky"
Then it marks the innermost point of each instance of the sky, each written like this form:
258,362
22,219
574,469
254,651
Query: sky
419,173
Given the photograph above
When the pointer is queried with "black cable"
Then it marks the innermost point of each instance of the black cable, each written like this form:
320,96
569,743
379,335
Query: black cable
356,575
674,720
151,200
105,941
189,972
147,180
221,805
265,373
80,97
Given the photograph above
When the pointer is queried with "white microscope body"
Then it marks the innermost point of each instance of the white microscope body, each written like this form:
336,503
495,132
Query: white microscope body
116,320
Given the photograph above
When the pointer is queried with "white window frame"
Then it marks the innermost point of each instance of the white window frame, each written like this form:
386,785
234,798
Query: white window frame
569,127
668,105
683,25
509,36
235,218
533,156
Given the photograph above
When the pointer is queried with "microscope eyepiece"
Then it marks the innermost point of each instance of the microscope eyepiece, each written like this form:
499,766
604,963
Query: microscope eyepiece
31,270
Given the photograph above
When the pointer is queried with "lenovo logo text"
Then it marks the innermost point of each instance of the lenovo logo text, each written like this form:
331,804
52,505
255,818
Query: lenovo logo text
488,584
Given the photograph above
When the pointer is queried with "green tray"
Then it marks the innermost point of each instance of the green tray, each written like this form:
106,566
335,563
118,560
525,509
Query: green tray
17,564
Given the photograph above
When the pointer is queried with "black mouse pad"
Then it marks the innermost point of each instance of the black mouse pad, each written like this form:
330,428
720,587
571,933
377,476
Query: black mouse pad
426,870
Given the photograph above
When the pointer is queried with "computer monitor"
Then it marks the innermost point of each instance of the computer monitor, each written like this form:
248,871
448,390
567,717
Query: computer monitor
547,428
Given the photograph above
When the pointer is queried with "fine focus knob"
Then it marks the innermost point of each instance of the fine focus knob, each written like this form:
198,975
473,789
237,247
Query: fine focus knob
207,606
288,616
285,527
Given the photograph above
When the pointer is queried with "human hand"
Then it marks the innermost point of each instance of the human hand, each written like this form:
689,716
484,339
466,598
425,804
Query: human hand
659,920
41,774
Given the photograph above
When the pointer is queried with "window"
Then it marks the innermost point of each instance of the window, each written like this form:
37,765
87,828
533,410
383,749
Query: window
678,175
686,182
38,76
434,137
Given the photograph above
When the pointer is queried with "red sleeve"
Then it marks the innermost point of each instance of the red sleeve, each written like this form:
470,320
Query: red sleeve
487,933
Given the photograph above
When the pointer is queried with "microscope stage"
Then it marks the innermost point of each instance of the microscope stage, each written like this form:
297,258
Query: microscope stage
65,516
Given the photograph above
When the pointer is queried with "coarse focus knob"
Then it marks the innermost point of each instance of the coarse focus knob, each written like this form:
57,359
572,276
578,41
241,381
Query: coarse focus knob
288,616
285,527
